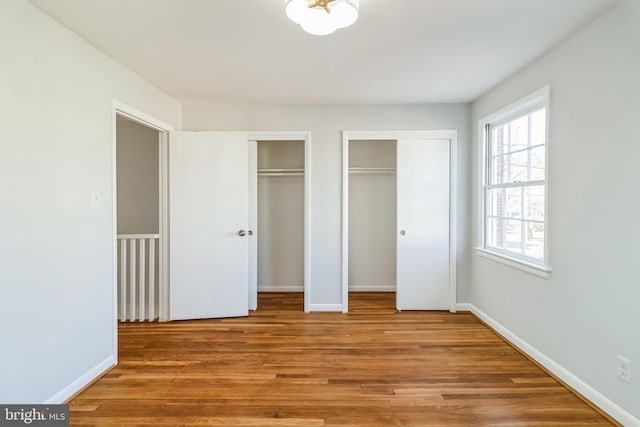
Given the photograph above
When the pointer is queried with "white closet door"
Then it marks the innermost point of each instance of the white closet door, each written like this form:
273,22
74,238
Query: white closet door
208,187
423,225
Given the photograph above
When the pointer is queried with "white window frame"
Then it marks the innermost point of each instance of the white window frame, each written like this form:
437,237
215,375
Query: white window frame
530,103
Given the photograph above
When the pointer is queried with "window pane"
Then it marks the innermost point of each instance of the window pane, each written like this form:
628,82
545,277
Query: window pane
496,232
519,133
534,202
538,163
513,236
538,127
499,140
519,166
496,202
505,202
491,234
500,168
513,203
534,236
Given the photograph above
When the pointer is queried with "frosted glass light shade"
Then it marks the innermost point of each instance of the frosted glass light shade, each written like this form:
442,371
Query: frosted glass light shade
319,22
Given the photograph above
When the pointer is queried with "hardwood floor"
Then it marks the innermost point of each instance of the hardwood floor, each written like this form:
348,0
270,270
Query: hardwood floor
282,367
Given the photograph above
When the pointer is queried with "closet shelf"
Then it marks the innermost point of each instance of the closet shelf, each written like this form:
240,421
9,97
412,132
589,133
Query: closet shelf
372,170
280,172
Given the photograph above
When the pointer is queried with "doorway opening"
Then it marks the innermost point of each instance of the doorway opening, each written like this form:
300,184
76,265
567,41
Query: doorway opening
139,217
280,226
372,221
138,220
279,215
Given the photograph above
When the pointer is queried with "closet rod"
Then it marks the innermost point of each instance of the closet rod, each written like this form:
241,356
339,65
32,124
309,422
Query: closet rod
372,170
280,173
288,170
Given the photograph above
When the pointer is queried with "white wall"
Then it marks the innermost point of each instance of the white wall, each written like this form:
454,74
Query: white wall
588,311
138,182
56,277
326,123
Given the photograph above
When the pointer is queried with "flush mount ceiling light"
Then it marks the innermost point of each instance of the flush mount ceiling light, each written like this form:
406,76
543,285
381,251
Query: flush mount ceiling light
322,17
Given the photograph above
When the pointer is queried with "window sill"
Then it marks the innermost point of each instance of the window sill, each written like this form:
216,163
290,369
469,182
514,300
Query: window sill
536,270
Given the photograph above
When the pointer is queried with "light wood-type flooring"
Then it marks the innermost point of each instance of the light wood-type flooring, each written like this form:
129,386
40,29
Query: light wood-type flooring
282,367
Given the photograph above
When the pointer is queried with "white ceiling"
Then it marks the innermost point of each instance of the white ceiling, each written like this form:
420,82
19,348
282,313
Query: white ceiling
399,51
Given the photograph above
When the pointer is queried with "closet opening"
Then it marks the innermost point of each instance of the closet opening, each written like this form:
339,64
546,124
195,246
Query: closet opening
280,222
372,221
399,218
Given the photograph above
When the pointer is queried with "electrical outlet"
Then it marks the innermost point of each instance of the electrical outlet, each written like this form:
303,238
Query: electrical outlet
623,370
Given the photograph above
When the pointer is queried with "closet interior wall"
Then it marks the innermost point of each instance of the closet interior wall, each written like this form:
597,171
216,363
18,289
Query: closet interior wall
280,216
372,215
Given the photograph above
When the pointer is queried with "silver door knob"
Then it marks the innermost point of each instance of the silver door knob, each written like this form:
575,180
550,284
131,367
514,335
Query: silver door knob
402,232
249,233
242,233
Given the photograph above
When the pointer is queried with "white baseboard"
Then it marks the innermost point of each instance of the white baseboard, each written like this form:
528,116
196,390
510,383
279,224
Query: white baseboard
86,379
372,288
594,396
325,307
281,288
461,306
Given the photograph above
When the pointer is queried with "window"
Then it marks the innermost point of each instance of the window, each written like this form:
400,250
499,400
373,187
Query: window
515,184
